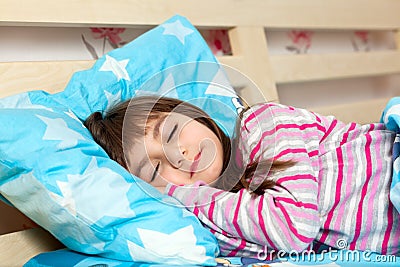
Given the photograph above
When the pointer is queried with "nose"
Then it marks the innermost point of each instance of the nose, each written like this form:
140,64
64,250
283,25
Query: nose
176,156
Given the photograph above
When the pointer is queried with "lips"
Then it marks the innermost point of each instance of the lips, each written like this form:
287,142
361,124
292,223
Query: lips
195,164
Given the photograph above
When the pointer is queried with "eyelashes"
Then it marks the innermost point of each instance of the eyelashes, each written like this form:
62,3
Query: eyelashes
172,132
155,172
170,136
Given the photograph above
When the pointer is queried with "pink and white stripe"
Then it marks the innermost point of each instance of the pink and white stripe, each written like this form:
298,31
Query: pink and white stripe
338,188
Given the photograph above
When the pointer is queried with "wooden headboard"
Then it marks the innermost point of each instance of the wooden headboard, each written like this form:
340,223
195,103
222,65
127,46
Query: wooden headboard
246,22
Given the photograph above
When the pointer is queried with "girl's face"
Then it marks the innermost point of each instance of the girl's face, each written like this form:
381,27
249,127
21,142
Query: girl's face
178,150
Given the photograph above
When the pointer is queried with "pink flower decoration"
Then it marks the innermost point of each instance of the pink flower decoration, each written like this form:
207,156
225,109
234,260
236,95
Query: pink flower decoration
360,41
111,34
301,41
362,35
301,38
218,41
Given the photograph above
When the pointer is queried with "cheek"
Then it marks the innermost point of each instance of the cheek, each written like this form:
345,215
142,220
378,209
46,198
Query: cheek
219,160
214,168
218,163
173,176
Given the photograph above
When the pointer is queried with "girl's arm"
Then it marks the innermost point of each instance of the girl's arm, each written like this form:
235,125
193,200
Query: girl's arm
284,218
246,225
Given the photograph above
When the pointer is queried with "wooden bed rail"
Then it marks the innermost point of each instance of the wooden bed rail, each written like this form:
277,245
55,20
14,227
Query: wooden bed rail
17,248
361,112
50,76
314,67
327,14
53,76
245,19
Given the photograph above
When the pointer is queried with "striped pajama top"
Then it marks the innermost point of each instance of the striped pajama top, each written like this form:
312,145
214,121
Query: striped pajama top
336,193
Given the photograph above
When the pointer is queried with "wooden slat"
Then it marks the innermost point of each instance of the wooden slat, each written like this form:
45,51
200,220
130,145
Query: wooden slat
329,14
232,61
311,67
255,66
397,39
52,76
17,248
233,66
361,112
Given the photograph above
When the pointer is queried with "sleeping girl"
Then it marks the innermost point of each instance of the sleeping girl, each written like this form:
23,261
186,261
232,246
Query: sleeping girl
289,180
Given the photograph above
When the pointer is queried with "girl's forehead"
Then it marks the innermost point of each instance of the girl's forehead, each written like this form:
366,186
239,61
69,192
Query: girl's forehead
152,119
157,124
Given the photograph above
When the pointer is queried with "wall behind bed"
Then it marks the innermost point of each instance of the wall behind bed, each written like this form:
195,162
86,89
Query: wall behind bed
51,43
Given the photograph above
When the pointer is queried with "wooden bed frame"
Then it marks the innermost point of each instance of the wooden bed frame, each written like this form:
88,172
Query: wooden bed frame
245,20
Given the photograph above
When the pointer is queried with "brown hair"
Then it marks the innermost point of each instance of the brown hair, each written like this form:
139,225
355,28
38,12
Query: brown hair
109,132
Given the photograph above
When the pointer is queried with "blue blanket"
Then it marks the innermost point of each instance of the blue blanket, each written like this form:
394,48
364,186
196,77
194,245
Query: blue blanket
68,258
391,118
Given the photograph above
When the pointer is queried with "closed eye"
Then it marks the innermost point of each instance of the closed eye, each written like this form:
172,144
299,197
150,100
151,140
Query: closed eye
155,173
172,132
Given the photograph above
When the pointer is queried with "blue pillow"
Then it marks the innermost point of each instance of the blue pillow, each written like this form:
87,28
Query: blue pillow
171,60
53,171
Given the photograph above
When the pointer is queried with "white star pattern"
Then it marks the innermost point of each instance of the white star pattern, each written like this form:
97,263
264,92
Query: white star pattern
73,116
20,101
80,190
66,200
112,100
57,129
118,68
220,86
177,29
178,247
27,198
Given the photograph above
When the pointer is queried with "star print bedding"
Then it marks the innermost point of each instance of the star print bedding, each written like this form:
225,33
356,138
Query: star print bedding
52,170
391,118
331,258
